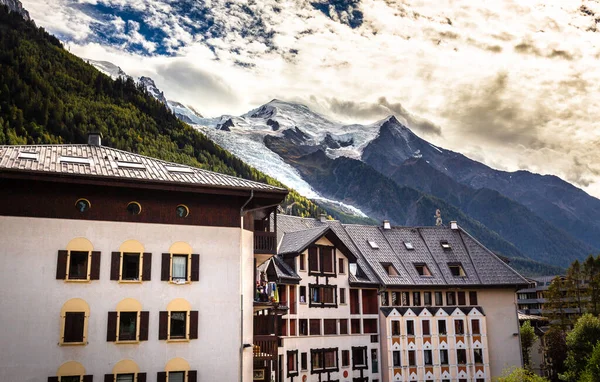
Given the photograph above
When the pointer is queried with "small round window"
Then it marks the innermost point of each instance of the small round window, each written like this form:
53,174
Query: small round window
182,211
134,208
82,205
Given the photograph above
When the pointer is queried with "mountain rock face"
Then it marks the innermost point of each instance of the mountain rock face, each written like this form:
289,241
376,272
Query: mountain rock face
16,6
152,89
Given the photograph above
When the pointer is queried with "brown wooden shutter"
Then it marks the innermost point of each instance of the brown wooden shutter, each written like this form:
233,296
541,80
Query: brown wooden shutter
115,261
95,271
141,377
195,276
165,270
111,327
192,376
109,378
52,379
163,325
88,378
61,265
313,256
147,266
193,325
161,376
144,321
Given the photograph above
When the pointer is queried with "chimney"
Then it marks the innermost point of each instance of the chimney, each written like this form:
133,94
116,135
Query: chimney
323,218
453,225
386,224
95,139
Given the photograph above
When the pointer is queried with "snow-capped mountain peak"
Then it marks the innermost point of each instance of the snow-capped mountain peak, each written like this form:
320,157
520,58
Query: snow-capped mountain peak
152,89
108,68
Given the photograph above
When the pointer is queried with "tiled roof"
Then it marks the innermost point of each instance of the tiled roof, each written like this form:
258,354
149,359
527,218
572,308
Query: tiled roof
297,241
480,265
106,162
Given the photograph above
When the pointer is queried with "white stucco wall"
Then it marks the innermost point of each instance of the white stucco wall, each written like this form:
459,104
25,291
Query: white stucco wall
499,306
343,342
31,299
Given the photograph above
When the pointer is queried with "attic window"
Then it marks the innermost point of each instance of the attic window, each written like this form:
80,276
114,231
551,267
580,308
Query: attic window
26,155
409,245
390,269
445,245
186,170
373,244
75,160
422,270
136,165
457,270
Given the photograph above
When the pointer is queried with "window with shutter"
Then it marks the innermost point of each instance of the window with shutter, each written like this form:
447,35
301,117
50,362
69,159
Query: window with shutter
195,271
128,326
74,327
192,376
115,260
359,357
95,268
61,265
313,260
111,327
193,325
146,266
78,265
163,325
177,325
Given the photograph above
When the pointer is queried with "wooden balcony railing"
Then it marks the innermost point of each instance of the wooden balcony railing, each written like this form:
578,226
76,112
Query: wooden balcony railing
265,347
265,243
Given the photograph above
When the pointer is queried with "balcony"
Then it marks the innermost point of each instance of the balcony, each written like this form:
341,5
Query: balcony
265,347
265,243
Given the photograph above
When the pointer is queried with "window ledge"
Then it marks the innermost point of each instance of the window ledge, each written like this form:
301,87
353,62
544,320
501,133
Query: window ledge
127,342
179,282
130,281
175,340
73,343
77,280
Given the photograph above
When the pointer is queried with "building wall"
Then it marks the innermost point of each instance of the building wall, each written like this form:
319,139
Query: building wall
434,342
31,298
500,308
342,311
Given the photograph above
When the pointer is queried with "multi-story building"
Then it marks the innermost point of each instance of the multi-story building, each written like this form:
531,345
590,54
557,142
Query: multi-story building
121,267
390,303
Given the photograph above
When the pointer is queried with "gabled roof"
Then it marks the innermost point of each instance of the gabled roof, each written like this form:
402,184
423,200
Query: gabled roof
481,266
276,267
298,241
105,162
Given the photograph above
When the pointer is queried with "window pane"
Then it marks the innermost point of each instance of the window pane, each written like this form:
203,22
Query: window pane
410,328
358,355
439,299
442,327
330,359
302,262
74,322
178,325
444,357
315,327
316,361
475,326
125,377
313,259
304,361
131,266
303,327
473,298
343,326
345,357
127,325
411,358
427,298
405,299
78,265
341,266
450,297
327,257
70,378
291,361
330,326
179,267
342,295
427,357
177,376
461,356
374,361
425,324
462,298
396,358
416,298
459,327
395,328
478,355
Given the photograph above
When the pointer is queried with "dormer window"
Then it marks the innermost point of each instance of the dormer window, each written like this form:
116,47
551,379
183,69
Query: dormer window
457,270
422,270
390,269
409,245
445,245
373,244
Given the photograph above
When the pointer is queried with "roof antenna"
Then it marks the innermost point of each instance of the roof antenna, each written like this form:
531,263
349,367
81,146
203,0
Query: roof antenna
438,217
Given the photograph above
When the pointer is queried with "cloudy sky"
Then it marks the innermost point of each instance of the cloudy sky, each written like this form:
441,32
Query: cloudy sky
515,84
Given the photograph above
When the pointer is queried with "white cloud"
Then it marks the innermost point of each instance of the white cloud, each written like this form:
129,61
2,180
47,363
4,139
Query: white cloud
512,83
